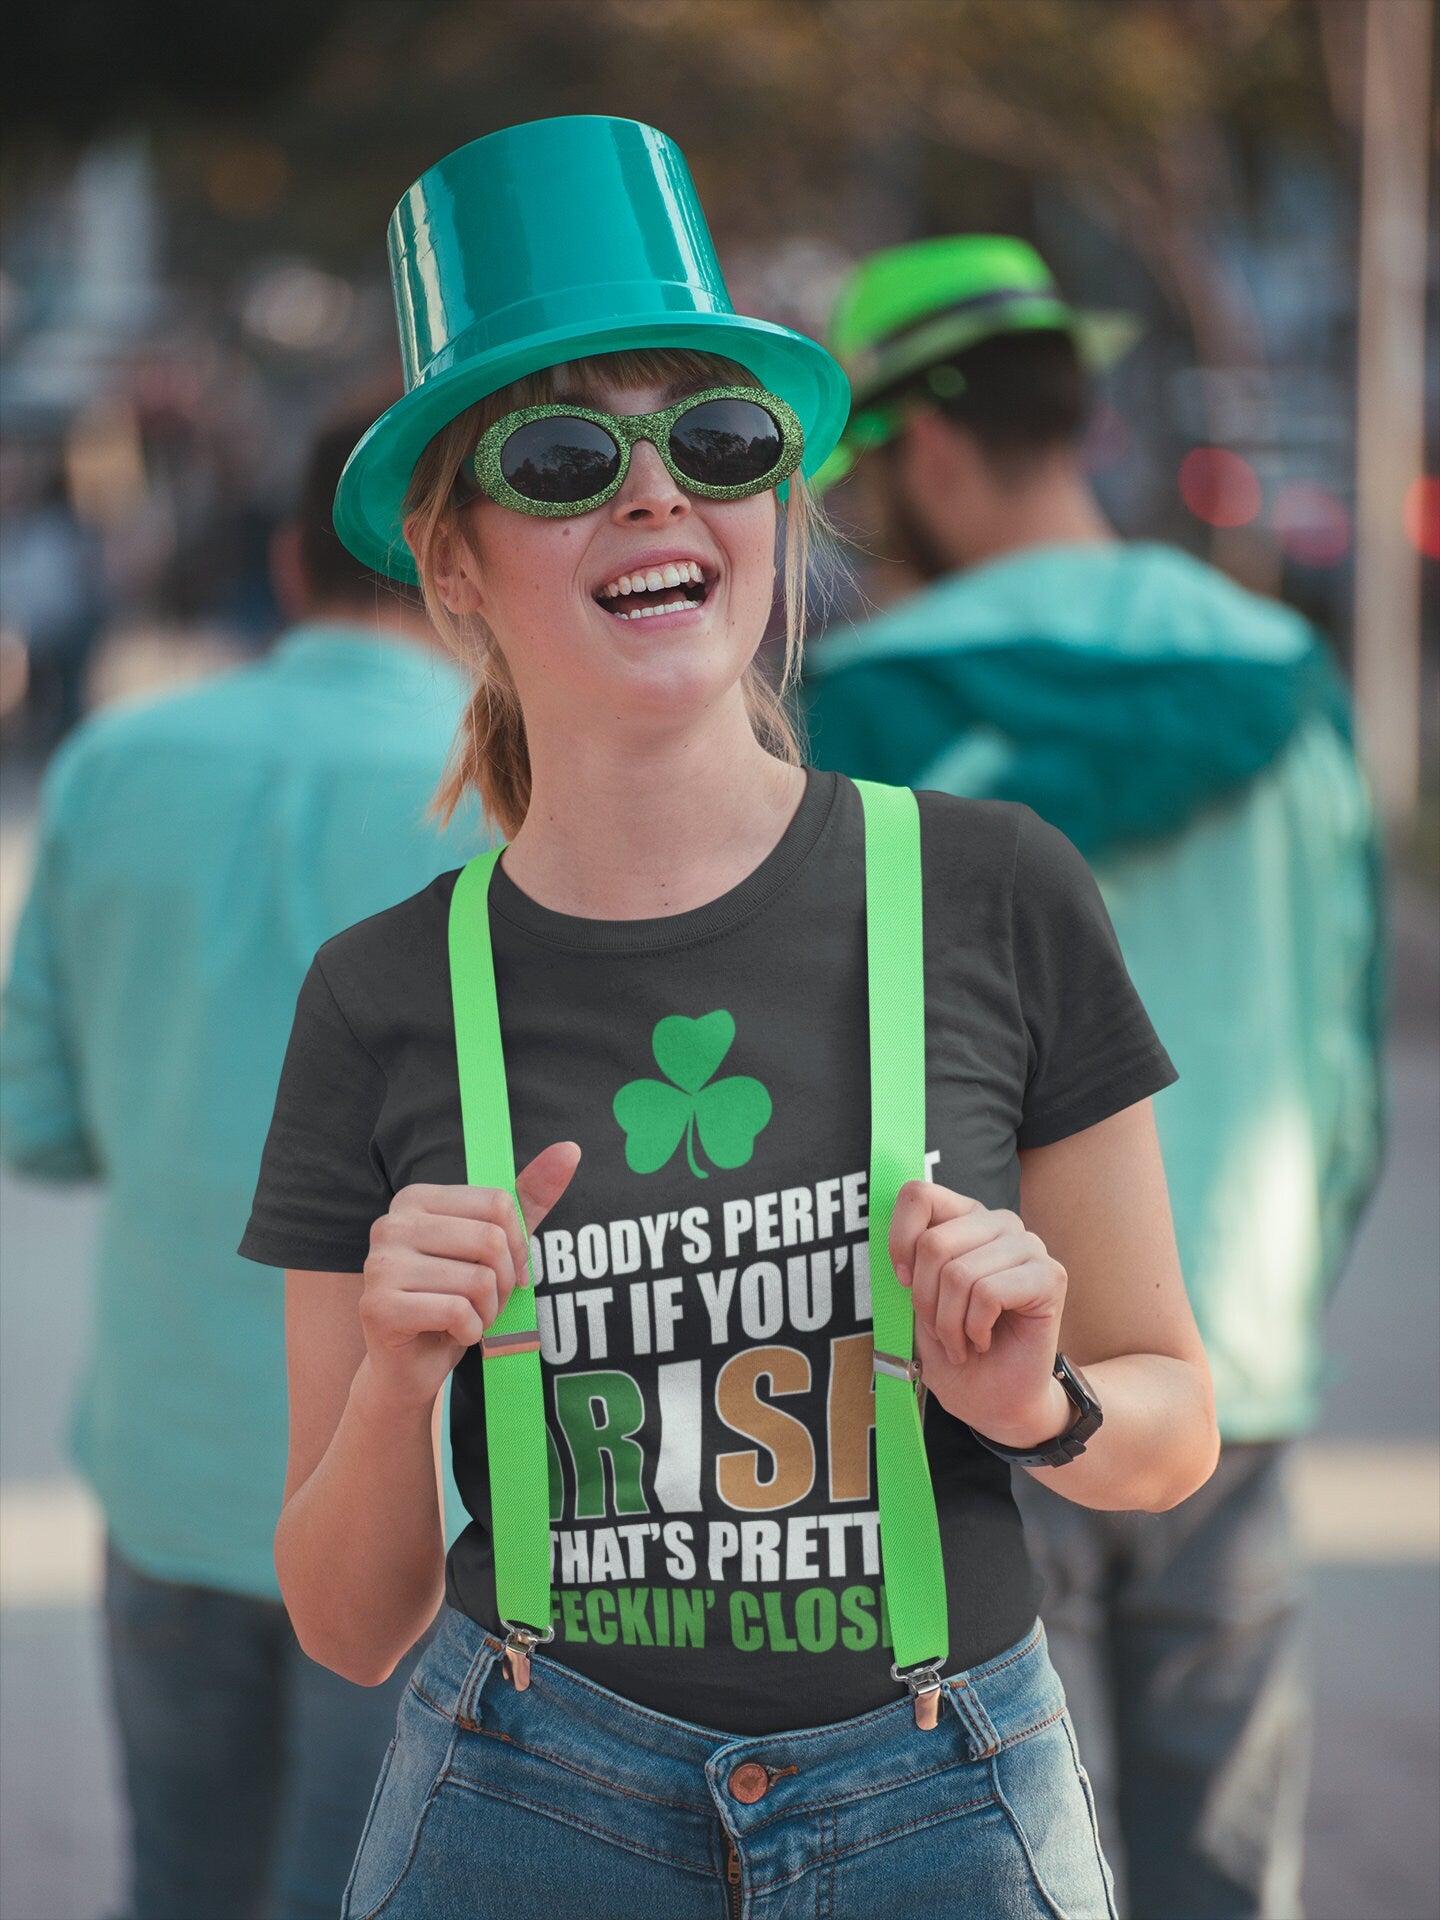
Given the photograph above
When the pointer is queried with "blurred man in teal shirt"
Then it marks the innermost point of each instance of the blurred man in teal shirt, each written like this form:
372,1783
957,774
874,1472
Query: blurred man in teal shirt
1194,742
192,853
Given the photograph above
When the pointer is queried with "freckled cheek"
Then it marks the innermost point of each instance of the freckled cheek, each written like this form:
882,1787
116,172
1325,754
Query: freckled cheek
750,556
751,586
536,587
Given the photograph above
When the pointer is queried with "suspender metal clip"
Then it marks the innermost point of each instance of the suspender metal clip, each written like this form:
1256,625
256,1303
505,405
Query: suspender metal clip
520,1643
923,1680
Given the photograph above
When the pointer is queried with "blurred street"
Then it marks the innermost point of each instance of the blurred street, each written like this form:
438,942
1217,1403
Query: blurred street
1368,1487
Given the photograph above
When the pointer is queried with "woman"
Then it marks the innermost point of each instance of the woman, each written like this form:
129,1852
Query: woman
717,1712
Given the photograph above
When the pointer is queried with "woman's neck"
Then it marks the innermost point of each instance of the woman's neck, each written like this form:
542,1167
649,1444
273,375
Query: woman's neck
640,833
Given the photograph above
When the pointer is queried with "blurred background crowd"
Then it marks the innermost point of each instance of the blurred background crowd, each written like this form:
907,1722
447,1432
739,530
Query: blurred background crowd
194,268
193,278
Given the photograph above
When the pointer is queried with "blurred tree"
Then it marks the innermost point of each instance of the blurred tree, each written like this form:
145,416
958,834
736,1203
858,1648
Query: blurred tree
73,68
789,108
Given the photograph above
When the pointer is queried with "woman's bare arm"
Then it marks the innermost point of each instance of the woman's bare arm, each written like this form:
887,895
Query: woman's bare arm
1100,1203
1089,1268
360,1544
360,1547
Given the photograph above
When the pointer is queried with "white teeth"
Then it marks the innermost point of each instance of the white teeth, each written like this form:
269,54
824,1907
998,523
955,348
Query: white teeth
675,573
648,613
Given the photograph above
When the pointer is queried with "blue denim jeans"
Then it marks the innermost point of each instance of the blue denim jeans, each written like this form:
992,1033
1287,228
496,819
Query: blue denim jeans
566,1799
247,1767
1178,1638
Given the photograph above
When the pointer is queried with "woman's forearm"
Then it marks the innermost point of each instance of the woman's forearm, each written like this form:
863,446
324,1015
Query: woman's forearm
1158,1442
359,1547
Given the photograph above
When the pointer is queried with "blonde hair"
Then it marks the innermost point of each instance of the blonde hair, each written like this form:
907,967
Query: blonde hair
490,755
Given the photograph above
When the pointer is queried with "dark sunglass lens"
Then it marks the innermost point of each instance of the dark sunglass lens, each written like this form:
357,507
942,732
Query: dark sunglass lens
725,443
560,460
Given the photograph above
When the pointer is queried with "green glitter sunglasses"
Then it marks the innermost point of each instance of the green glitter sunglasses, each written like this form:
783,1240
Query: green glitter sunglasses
722,443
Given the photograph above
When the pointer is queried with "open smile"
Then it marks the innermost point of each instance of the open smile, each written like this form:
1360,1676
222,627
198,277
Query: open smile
660,592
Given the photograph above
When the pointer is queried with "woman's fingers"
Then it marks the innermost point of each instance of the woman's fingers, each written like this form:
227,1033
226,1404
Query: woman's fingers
960,1265
450,1236
462,1222
397,1317
482,1286
466,1244
1035,1291
921,1204
963,1248
969,1307
444,1260
409,1256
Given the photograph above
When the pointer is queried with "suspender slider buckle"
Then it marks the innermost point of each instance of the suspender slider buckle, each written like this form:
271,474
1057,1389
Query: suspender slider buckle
896,1367
492,1345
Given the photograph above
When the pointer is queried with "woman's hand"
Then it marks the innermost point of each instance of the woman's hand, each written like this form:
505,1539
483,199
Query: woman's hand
988,1300
443,1261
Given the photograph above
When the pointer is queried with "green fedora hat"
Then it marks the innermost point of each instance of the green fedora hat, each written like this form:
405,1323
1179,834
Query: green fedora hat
906,311
544,243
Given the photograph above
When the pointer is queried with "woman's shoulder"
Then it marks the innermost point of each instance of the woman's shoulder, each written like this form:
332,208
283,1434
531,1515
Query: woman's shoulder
976,839
1005,838
404,941
990,864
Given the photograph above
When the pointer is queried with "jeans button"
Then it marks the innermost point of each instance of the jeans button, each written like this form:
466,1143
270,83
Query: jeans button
749,1782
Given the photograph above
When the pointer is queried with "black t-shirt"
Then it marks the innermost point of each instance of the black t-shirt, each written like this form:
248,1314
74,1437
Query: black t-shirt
703,1284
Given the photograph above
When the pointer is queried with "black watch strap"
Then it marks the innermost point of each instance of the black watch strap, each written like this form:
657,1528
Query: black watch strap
1065,1446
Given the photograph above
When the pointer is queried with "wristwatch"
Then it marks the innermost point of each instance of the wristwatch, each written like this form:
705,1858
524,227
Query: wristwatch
1067,1445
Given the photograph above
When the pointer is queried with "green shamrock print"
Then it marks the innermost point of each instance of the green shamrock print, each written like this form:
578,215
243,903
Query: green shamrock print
655,1114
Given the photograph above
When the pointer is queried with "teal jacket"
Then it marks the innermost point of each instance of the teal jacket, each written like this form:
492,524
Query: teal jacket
1194,741
192,853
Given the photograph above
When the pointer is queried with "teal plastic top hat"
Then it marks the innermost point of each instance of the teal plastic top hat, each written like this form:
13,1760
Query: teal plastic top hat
545,243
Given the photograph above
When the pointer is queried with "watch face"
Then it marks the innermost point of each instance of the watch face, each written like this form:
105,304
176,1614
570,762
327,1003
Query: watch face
1088,1414
1078,1377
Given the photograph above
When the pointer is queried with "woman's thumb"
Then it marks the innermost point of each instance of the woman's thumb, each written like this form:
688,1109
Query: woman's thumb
541,1183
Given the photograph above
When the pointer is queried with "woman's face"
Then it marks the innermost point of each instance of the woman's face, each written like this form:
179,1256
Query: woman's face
540,585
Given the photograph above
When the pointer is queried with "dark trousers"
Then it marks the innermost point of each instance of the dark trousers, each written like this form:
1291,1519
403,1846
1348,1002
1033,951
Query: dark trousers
1177,1638
248,1768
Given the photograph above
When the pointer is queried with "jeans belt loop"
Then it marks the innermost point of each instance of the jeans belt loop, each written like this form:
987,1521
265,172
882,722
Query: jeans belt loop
984,1740
467,1707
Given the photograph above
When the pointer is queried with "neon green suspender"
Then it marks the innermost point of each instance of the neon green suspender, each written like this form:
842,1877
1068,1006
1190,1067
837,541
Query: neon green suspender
514,1404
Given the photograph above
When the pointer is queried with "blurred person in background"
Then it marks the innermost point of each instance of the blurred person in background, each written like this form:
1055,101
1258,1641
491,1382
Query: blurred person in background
192,852
1195,743
52,593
